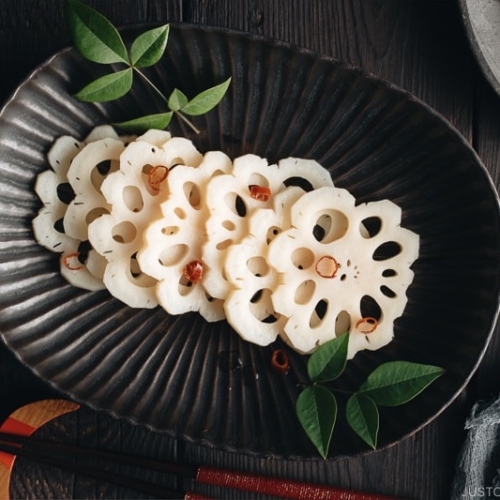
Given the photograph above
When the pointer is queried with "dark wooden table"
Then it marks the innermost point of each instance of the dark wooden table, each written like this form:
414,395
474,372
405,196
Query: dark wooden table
419,45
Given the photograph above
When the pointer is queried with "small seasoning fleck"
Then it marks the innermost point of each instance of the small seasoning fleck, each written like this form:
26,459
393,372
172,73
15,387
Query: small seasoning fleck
260,193
367,325
327,267
156,176
71,262
280,361
193,271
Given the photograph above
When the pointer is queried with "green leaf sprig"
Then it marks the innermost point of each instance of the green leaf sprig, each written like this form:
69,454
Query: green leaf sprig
99,41
391,384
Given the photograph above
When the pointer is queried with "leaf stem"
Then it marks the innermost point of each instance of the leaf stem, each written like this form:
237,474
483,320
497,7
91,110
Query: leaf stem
187,121
322,384
341,391
160,93
153,86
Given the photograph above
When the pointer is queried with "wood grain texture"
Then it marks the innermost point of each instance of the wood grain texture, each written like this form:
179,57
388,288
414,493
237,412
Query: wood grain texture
419,45
31,35
27,419
402,42
486,384
88,428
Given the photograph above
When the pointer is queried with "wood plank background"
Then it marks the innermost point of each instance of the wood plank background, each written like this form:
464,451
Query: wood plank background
419,45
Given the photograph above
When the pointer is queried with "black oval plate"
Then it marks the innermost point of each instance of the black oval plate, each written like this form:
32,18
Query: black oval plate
200,381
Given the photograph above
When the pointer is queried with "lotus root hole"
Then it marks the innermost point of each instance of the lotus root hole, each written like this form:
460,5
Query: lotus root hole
192,194
258,266
302,258
59,226
124,232
236,204
319,313
342,323
256,179
99,173
304,292
272,233
132,198
330,226
388,292
185,286
229,225
83,251
65,192
389,273
95,213
369,308
140,279
261,306
180,213
299,182
172,255
387,251
177,161
223,245
370,227
146,170
170,230
135,270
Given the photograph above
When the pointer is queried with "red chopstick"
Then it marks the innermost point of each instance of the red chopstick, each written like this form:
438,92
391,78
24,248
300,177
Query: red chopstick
50,452
282,488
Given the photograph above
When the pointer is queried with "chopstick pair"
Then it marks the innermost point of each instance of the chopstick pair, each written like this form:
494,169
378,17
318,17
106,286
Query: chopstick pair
53,453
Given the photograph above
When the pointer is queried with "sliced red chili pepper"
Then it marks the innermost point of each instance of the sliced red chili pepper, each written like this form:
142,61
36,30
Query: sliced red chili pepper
193,271
68,258
371,324
327,267
156,176
260,193
280,361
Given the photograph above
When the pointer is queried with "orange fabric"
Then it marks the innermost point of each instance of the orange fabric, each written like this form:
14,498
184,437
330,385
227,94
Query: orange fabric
14,426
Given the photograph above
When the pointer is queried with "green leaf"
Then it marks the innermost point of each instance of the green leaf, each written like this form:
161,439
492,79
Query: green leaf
158,121
362,415
397,382
329,360
148,48
107,88
206,100
94,36
317,412
176,100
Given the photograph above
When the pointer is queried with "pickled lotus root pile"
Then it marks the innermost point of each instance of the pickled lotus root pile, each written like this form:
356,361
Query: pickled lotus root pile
276,250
